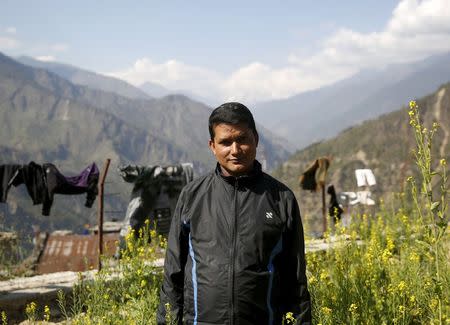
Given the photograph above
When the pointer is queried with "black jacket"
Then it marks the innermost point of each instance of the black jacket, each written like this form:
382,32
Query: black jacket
33,176
7,175
235,253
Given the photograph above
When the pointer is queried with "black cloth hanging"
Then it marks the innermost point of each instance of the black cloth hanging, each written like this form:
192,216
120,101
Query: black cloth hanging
315,174
308,178
154,195
334,208
8,173
33,176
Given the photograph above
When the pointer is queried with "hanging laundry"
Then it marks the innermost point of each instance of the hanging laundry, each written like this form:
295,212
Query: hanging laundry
365,177
352,198
321,175
188,171
8,173
33,176
365,197
57,183
129,220
154,195
315,174
130,173
348,198
142,196
334,208
308,178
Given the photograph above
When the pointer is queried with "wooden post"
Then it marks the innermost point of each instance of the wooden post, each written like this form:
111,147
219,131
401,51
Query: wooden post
324,209
100,211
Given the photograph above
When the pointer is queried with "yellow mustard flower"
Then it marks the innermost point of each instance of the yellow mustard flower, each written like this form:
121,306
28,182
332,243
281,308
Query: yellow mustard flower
402,286
433,303
46,313
326,310
290,318
353,309
414,257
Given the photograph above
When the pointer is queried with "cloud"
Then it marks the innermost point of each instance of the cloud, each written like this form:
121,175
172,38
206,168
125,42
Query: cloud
11,30
172,74
258,81
8,43
415,30
416,18
45,58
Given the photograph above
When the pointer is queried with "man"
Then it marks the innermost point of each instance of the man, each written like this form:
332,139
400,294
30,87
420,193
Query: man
235,251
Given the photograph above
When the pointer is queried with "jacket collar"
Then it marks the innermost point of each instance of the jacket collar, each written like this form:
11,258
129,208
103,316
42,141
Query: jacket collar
254,173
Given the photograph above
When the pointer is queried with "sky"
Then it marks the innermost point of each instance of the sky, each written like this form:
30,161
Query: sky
250,51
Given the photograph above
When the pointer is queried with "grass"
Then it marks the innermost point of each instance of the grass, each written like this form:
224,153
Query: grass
131,297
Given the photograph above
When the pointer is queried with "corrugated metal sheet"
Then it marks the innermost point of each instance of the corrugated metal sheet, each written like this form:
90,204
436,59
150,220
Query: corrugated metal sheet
74,252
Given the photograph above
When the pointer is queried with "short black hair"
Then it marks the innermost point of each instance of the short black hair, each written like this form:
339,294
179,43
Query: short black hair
231,113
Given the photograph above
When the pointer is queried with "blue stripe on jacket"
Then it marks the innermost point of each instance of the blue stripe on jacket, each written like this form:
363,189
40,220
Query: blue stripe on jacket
194,278
271,268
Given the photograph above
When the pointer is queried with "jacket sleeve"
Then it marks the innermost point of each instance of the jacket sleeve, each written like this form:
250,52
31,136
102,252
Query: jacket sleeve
47,201
92,190
296,298
174,263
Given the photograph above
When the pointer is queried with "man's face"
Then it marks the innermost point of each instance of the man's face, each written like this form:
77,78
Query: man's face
234,146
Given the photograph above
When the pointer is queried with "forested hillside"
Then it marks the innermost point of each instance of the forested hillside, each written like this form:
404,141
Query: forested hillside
383,145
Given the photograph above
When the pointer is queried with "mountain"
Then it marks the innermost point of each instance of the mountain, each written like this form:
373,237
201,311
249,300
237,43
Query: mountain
42,112
46,118
383,145
94,80
86,78
154,90
320,114
175,118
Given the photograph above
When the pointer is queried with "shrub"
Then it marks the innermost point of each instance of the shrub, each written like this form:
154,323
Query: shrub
400,274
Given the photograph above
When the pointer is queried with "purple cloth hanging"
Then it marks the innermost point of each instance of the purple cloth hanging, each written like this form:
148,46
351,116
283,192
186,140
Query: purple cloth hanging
57,183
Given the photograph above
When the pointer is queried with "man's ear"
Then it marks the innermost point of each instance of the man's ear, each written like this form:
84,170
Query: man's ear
256,138
212,146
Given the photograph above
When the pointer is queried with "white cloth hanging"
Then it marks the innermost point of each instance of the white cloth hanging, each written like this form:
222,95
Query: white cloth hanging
348,198
365,197
365,177
353,198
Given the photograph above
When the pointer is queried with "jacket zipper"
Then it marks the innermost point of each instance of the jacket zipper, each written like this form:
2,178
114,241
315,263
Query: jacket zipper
233,249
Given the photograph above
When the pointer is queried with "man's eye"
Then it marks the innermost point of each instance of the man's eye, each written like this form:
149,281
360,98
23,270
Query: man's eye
242,139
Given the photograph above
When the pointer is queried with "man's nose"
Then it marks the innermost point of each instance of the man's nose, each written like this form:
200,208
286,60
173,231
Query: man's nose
235,148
